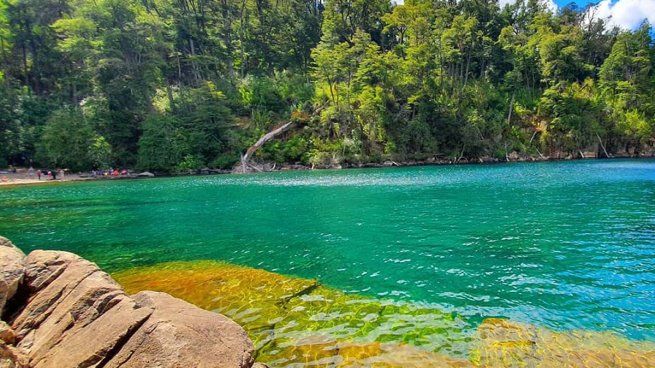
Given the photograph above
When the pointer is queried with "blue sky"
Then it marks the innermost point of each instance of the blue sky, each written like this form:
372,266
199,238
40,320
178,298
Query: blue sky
581,3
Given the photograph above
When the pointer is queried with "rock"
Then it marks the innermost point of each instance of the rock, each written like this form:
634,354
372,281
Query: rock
75,315
146,174
95,343
11,357
504,343
179,334
7,334
49,278
12,269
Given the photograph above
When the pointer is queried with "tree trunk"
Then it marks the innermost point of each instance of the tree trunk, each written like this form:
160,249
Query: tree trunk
265,138
602,146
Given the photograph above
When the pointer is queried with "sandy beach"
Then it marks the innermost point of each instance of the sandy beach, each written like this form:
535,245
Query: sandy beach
21,177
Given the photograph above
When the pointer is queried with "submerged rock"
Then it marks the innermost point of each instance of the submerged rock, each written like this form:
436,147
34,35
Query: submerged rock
297,323
72,314
502,343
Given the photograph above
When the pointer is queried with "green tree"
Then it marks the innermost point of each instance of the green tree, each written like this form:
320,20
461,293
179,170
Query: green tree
66,139
158,147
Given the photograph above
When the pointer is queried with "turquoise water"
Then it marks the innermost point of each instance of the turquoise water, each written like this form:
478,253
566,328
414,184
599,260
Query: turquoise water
567,245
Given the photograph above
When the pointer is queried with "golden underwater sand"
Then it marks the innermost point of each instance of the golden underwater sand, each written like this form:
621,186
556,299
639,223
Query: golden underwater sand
296,322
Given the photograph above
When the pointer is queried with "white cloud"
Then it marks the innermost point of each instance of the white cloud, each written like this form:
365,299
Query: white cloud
626,14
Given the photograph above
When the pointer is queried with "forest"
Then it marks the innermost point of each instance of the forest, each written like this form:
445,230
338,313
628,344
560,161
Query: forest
176,85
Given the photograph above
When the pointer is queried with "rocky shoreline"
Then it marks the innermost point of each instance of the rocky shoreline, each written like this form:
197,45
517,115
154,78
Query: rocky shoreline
60,310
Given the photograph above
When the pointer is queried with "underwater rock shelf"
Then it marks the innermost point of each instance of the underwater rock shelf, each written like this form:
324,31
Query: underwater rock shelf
296,322
60,310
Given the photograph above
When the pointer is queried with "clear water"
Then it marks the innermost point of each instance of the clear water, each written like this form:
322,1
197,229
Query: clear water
566,245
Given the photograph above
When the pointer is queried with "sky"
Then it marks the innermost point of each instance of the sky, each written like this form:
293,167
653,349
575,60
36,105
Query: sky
626,14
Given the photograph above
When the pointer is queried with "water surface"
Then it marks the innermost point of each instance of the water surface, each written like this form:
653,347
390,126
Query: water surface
564,246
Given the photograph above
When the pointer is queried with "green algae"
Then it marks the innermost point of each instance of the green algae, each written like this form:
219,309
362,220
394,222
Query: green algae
296,322
291,320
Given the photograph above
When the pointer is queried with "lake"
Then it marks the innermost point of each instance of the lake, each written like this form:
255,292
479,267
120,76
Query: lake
561,245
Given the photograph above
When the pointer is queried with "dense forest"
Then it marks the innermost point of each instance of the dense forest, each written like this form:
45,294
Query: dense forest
177,85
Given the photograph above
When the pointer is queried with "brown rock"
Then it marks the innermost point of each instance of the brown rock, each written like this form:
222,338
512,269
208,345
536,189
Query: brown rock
93,297
88,345
50,277
179,334
11,271
42,267
11,357
75,314
7,334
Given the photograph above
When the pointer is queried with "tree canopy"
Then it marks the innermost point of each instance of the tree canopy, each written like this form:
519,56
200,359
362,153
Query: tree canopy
173,85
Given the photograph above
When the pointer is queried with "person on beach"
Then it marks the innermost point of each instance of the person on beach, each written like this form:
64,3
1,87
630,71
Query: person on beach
38,174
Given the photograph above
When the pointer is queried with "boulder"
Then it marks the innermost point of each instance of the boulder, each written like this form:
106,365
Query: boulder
95,343
49,279
12,269
75,315
178,334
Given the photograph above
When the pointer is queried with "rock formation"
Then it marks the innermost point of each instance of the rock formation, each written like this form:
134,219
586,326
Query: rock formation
63,311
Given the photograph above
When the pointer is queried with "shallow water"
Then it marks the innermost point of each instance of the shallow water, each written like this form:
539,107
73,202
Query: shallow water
295,322
559,245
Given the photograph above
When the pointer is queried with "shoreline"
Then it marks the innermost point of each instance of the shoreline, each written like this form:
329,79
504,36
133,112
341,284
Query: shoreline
10,181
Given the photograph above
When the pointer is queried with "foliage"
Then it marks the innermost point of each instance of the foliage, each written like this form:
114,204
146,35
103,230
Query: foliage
67,139
100,153
177,86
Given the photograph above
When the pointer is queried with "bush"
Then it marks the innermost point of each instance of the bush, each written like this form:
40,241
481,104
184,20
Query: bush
189,164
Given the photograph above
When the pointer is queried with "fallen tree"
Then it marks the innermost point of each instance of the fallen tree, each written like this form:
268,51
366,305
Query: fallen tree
246,166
